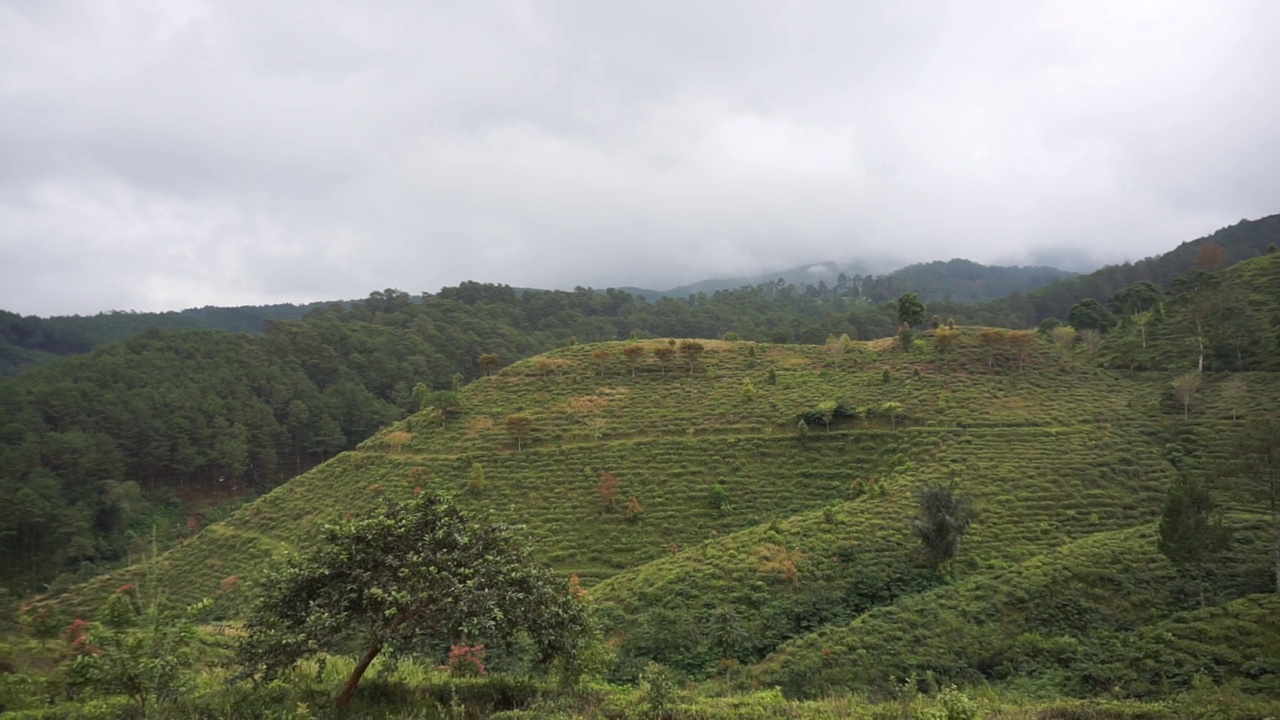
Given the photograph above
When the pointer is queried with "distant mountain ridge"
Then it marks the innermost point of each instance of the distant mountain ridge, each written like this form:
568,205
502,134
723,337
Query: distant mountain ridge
1241,241
958,280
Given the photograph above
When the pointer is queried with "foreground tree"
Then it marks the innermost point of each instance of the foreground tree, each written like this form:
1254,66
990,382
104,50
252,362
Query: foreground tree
146,654
419,578
1191,529
943,519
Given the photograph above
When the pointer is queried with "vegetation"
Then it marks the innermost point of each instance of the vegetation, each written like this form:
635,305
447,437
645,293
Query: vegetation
721,516
420,578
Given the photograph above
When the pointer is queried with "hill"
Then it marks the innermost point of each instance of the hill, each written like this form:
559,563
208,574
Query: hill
27,341
952,281
1242,241
728,503
740,511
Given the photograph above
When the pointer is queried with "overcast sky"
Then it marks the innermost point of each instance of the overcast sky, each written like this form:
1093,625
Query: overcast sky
167,154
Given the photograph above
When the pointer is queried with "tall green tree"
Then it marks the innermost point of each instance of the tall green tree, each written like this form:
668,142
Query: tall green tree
1191,529
418,578
943,517
910,309
1257,452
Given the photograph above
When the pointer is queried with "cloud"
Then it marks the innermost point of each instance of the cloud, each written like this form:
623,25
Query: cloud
156,155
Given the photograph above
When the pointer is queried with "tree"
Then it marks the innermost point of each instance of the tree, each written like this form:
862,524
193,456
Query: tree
664,354
1091,340
991,340
827,409
1089,314
910,309
691,350
417,579
1138,303
601,356
608,490
1200,294
147,655
475,481
1023,343
891,410
488,361
1063,338
1184,389
943,519
1257,452
519,425
633,354
1211,257
1191,529
944,340
1234,392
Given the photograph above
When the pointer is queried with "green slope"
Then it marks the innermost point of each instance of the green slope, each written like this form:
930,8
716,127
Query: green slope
1088,617
740,535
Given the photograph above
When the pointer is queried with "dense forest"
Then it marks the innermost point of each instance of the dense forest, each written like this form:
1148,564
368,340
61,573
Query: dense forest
26,341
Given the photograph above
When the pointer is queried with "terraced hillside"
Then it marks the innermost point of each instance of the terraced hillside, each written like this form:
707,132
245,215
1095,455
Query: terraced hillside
725,501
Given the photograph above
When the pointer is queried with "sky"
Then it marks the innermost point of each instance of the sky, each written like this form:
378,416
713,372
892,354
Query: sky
169,154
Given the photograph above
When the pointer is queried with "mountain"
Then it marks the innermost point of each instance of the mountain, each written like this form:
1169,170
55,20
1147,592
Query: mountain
960,281
741,511
1242,241
27,341
826,272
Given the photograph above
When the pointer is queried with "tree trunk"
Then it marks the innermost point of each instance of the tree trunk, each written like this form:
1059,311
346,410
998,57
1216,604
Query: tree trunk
344,699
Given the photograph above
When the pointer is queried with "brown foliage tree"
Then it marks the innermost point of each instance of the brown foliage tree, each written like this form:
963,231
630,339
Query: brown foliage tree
1211,257
601,357
691,350
664,354
608,490
519,425
633,354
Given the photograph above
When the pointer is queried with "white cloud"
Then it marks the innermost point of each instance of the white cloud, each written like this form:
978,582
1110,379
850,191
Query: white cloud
161,154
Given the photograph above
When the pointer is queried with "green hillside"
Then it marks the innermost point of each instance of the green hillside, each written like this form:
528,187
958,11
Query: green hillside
740,512
1242,241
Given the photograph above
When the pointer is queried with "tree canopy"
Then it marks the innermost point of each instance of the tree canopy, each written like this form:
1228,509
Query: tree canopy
419,578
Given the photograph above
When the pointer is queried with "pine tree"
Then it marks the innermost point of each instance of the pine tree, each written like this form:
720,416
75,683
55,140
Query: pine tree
1191,529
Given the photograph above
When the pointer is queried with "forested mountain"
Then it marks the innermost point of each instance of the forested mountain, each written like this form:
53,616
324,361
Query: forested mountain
1246,239
28,340
961,281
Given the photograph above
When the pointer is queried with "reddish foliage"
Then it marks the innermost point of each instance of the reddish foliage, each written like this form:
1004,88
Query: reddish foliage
608,489
467,661
634,508
575,587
